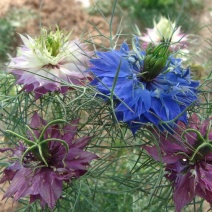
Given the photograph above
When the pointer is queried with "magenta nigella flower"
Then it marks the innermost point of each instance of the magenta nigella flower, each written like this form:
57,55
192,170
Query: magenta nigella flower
189,163
48,62
53,156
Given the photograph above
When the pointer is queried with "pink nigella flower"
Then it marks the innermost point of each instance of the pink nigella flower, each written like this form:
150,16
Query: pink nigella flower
164,31
50,63
188,160
53,156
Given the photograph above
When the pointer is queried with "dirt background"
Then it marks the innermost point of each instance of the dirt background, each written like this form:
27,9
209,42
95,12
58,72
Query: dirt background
68,14
65,13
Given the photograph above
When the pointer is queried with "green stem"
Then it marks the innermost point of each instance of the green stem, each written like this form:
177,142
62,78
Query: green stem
206,147
199,135
49,124
182,153
177,117
61,141
56,139
111,23
28,150
33,134
30,143
208,131
41,154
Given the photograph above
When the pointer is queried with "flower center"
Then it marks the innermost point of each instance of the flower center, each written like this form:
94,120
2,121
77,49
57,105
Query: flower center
39,146
50,43
184,161
184,164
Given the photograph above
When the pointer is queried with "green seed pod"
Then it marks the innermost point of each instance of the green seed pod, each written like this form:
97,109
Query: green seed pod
150,49
159,64
147,58
152,61
155,61
158,67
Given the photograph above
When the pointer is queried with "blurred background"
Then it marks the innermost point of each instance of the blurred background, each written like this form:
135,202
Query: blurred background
85,16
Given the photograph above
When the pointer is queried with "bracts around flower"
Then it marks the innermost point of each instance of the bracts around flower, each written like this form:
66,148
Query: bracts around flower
52,155
187,157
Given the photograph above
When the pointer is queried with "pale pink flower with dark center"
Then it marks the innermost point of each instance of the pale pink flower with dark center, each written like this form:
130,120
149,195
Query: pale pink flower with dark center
50,63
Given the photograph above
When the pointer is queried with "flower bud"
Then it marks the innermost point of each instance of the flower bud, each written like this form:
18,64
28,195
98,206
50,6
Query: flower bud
155,61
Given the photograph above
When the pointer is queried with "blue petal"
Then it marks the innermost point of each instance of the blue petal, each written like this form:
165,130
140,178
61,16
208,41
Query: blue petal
163,98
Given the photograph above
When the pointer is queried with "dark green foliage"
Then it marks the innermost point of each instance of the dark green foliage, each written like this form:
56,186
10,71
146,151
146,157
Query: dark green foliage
7,38
144,11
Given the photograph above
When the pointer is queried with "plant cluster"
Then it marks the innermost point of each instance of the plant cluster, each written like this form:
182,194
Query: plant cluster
124,128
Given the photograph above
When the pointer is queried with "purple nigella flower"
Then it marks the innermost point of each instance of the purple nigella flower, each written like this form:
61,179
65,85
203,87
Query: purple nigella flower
50,63
146,86
188,160
54,157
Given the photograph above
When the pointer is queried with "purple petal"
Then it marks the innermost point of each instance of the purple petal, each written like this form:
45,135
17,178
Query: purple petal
154,152
37,123
80,143
51,187
9,172
204,173
183,191
41,183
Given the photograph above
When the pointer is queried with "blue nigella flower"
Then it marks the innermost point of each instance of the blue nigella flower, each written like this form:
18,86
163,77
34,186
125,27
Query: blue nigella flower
146,89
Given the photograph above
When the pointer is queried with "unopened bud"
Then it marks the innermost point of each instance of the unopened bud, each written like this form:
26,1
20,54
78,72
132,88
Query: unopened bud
155,61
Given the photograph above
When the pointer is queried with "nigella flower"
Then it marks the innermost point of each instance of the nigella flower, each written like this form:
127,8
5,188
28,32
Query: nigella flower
147,87
52,156
49,62
189,163
165,31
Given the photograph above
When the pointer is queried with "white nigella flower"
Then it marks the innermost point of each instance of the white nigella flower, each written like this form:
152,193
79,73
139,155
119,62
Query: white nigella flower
50,62
164,31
